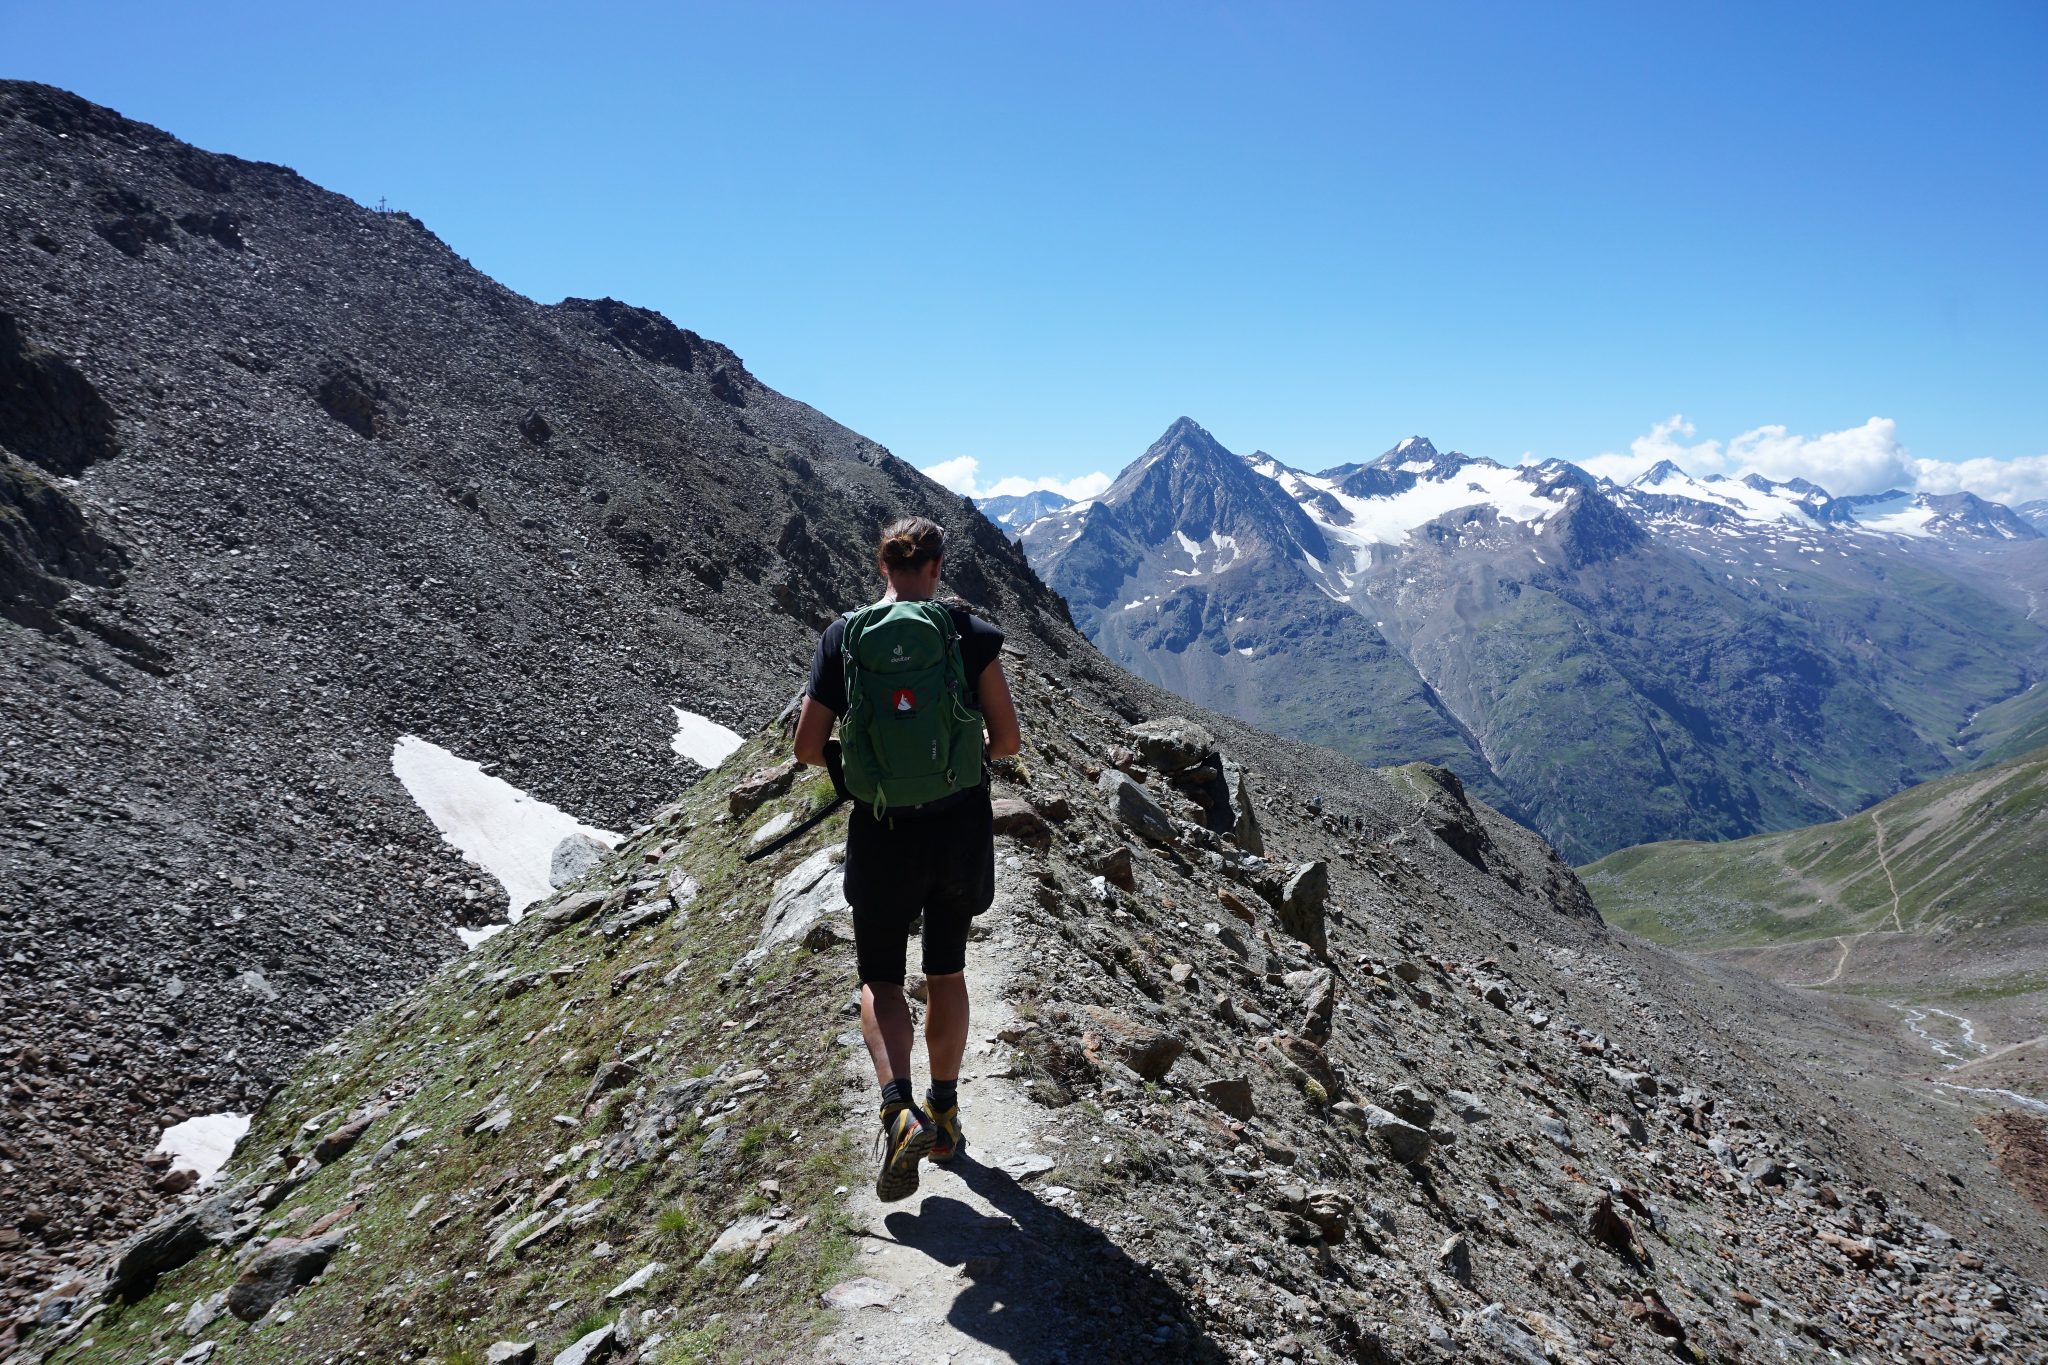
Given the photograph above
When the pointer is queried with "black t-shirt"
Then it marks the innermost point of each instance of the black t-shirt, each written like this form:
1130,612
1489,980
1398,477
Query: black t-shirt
980,643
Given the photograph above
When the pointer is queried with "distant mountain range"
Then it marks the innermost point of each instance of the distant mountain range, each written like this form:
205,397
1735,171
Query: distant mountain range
1018,512
1677,657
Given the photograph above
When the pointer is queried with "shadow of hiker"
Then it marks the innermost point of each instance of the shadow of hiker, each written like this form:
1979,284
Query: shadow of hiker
1043,1285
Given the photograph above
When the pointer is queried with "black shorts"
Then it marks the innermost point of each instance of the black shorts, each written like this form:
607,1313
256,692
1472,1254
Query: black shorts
941,863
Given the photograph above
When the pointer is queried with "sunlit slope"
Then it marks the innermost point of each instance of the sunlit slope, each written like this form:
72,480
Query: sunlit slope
1957,856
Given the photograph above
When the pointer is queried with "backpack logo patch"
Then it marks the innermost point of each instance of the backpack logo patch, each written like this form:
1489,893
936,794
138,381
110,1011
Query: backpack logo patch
904,700
897,653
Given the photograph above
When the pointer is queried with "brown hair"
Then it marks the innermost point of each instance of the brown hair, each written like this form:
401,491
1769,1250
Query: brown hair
911,543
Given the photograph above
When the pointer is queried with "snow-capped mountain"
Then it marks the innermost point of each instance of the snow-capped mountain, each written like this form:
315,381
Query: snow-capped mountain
1014,513
1674,657
1666,498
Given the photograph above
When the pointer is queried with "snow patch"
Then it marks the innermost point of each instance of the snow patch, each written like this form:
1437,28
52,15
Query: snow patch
491,822
701,739
1389,519
1896,517
203,1144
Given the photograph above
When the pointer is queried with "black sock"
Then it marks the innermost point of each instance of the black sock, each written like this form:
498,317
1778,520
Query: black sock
895,1092
945,1094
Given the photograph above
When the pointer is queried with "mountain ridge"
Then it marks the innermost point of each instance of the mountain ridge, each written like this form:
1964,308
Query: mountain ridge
1729,629
284,481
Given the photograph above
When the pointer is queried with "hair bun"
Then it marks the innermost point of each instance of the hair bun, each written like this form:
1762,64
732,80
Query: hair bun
911,543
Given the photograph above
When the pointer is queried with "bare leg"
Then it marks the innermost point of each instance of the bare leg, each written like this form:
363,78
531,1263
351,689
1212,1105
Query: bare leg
885,1023
945,1024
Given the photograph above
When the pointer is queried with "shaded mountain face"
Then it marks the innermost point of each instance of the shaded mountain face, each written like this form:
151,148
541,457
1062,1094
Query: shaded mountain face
282,480
1015,513
1680,657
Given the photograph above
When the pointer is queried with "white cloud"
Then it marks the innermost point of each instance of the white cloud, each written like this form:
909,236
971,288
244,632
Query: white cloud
962,474
1862,459
2022,479
957,474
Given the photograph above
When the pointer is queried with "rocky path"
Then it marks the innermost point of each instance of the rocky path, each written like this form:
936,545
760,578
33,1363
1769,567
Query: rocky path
969,1269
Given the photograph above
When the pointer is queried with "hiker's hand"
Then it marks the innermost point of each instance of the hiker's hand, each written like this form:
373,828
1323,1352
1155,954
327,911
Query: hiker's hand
834,766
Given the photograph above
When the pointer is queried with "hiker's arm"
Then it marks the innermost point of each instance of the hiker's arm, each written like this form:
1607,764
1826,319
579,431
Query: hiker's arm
813,728
998,712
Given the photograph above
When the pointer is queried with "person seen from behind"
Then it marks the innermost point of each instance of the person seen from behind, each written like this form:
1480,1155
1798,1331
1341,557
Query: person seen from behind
917,690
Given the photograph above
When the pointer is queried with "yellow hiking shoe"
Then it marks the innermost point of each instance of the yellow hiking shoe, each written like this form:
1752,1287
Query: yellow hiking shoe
906,1139
950,1139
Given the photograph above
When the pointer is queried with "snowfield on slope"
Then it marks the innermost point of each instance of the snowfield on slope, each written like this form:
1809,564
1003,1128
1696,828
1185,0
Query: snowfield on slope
495,825
701,739
203,1144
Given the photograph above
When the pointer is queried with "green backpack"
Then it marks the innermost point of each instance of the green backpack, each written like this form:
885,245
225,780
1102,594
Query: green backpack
909,736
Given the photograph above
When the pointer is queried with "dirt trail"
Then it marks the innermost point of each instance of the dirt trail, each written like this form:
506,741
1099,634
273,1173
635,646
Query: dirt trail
1846,941
1877,823
970,1269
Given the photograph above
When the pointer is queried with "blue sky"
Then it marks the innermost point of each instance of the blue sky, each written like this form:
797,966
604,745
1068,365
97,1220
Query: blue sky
1031,235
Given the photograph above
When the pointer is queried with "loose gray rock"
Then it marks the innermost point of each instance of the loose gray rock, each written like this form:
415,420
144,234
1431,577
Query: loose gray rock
1172,744
1509,1338
1232,1095
1304,898
1246,830
751,1237
511,1353
808,893
168,1243
1454,1258
1402,1140
573,857
277,1270
637,1280
204,1313
1134,808
602,1344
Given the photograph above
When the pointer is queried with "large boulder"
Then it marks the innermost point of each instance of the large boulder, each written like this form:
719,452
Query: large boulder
760,786
1304,897
1244,821
338,1142
1021,821
1173,744
168,1243
808,893
573,857
1317,991
1402,1140
278,1269
1134,807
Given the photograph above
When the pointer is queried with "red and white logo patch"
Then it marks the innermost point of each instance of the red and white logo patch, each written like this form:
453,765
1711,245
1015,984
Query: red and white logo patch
904,700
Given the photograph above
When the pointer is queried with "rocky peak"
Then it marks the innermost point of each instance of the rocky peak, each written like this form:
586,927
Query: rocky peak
1661,472
1591,529
1187,484
1969,515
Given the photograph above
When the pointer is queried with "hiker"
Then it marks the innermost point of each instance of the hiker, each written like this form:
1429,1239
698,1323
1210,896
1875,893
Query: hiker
913,683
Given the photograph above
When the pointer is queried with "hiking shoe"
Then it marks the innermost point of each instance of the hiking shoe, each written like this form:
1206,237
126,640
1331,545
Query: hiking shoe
906,1139
950,1139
